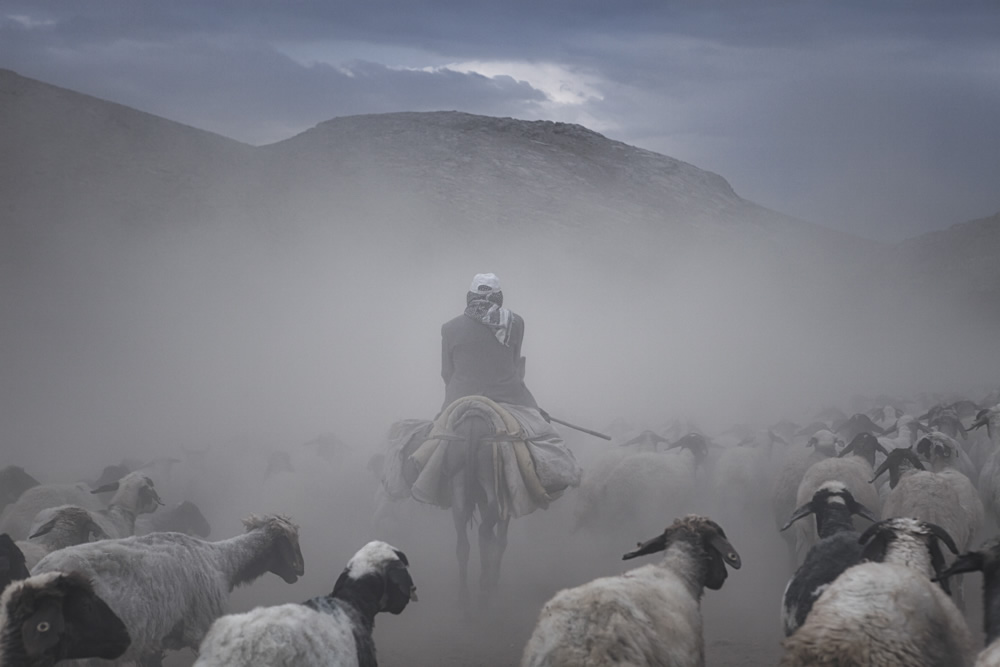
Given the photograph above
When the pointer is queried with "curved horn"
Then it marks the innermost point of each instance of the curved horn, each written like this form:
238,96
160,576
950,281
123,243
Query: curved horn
651,546
982,419
942,534
870,532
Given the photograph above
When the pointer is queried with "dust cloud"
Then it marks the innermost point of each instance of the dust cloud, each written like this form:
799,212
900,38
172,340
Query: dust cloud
219,341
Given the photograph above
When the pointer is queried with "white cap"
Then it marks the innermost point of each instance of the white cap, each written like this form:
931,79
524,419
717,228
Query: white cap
485,283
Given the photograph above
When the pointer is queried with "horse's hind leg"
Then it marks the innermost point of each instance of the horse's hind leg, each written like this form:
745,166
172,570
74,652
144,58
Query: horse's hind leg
461,512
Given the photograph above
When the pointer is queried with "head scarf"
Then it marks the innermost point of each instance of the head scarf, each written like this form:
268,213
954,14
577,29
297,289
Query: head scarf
484,303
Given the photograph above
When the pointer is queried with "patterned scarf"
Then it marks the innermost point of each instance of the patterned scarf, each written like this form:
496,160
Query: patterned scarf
486,308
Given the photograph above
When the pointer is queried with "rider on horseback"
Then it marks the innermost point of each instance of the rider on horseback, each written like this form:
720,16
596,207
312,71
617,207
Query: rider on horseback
481,349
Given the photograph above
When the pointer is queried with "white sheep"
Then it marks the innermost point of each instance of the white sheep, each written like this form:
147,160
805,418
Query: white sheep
18,517
853,468
134,494
57,528
170,587
329,631
633,489
56,616
648,616
886,612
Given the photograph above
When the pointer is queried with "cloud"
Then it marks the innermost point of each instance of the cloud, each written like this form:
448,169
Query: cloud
846,113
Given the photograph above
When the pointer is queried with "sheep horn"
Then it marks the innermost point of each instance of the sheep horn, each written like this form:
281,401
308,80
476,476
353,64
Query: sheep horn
658,543
800,513
940,533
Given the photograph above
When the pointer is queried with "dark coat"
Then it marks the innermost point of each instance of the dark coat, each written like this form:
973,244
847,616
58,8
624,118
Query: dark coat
475,363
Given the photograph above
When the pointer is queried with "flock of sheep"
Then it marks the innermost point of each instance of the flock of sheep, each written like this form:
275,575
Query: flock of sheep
880,514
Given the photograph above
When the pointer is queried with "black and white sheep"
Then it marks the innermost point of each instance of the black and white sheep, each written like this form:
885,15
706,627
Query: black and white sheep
648,616
329,631
785,488
887,611
838,549
57,616
853,468
170,587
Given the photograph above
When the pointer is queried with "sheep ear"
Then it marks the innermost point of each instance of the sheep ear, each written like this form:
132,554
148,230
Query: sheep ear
800,513
861,510
44,529
726,550
875,541
970,562
938,564
93,630
716,573
924,447
341,582
107,488
399,590
651,546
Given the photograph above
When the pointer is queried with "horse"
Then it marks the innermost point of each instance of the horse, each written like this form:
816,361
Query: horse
470,473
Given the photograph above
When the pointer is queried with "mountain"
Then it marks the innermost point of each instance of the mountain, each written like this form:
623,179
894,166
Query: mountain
153,271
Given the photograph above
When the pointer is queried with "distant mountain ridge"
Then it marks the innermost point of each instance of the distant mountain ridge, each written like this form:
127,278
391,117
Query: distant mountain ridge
139,255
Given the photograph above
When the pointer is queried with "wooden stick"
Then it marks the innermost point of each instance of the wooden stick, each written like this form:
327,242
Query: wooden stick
580,428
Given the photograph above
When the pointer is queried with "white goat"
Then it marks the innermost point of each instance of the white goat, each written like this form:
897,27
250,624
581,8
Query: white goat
328,631
57,616
647,616
886,612
170,587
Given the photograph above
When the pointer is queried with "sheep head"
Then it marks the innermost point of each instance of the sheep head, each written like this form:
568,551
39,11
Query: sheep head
57,616
284,558
881,538
134,491
829,494
384,568
707,538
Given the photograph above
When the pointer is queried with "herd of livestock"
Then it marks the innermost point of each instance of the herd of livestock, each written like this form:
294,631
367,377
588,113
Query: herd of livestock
880,512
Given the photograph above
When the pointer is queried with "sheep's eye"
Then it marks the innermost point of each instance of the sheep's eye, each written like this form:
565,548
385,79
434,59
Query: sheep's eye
43,626
947,454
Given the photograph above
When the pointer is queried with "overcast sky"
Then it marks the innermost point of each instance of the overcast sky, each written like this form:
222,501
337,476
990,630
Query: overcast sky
879,118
